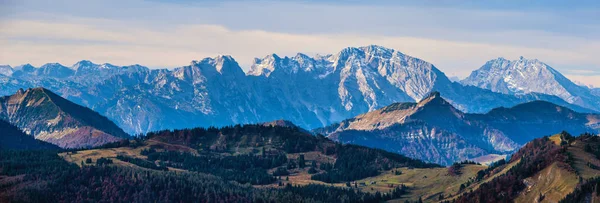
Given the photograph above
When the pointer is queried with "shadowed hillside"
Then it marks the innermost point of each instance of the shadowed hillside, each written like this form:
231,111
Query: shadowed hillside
13,138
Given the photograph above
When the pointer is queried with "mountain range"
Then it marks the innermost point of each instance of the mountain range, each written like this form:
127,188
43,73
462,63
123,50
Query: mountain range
435,131
432,130
311,92
46,116
272,154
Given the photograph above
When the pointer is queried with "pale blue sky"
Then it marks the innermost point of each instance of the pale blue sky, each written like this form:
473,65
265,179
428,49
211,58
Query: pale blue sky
456,36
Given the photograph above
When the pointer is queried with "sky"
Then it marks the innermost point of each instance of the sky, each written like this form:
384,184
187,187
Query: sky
456,36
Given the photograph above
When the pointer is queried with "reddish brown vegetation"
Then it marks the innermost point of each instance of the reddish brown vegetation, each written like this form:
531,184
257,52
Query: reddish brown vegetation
533,157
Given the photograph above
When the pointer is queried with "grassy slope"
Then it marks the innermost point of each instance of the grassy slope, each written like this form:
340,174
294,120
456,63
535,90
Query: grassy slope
556,139
554,183
94,154
581,158
501,170
425,183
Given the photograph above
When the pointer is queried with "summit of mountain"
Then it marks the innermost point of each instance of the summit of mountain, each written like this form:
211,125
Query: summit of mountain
523,76
46,116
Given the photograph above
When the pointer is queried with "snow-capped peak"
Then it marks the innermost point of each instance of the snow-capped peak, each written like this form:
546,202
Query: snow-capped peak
53,66
326,57
378,50
6,70
222,64
264,66
107,66
84,65
226,64
319,65
302,57
524,76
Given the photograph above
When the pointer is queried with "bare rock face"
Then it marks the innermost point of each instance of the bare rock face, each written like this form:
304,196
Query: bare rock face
49,117
433,130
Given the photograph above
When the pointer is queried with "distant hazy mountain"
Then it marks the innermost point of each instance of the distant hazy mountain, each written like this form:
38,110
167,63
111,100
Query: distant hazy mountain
308,91
48,117
530,75
13,138
454,79
525,122
433,130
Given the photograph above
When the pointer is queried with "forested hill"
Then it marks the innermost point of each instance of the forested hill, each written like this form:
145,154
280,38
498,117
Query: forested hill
42,176
331,161
270,163
249,163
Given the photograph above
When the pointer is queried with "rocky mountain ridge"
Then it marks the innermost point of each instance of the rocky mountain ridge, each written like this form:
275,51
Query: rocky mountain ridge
311,92
433,130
